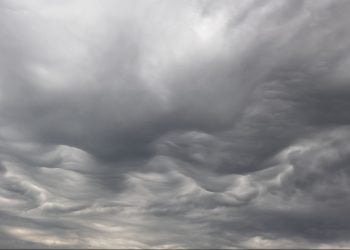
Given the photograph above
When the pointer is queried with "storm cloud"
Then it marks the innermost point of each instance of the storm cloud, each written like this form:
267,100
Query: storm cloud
174,124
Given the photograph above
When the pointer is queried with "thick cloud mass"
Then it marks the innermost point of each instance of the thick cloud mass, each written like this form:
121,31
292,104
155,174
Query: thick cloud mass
174,124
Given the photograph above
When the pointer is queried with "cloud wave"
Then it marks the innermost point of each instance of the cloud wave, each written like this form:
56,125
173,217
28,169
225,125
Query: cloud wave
163,124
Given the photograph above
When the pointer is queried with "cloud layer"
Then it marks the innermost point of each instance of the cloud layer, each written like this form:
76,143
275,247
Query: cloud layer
174,124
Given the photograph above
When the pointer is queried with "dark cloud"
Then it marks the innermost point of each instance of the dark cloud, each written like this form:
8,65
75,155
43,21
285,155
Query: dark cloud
202,124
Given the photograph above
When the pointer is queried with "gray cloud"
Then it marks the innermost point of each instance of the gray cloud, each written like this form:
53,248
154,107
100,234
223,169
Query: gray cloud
201,124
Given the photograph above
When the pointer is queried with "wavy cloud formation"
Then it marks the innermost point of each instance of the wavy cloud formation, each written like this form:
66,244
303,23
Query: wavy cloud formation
163,124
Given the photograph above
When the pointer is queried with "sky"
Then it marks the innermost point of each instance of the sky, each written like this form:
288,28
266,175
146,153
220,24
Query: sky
174,124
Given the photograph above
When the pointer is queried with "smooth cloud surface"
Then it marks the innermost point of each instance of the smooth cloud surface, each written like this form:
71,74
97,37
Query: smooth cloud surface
174,124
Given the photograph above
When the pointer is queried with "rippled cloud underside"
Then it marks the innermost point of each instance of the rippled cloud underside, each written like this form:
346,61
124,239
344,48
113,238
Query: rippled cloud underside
175,124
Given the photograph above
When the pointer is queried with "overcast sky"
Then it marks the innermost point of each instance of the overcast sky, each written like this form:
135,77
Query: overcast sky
174,124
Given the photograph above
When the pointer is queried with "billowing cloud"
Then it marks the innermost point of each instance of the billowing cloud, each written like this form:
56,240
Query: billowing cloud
163,124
